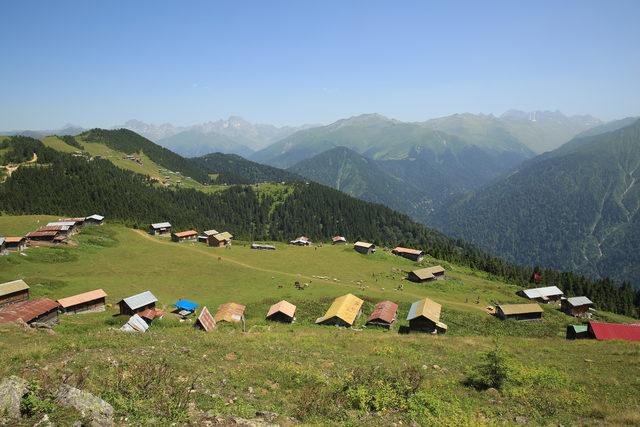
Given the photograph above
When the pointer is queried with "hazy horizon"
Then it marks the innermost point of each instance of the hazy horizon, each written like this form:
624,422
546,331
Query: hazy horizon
290,63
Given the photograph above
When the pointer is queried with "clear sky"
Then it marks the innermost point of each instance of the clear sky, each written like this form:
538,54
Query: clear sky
100,63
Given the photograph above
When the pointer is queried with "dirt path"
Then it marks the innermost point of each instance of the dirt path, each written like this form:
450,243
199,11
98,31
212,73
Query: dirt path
12,168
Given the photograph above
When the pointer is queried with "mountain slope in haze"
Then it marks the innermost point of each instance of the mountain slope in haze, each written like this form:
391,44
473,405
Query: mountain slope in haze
545,130
358,176
194,143
67,129
232,135
431,163
233,169
576,208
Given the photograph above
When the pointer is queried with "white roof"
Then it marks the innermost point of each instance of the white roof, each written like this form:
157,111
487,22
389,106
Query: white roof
578,301
542,292
135,324
161,225
210,233
140,300
61,224
1,240
96,217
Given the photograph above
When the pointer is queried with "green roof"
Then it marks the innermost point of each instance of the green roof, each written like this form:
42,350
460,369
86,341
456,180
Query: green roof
580,328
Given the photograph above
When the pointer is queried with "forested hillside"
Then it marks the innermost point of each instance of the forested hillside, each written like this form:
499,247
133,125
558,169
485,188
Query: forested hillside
130,142
233,169
575,208
62,184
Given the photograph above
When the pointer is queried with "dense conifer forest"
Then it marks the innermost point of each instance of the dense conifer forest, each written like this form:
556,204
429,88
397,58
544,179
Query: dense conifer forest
62,184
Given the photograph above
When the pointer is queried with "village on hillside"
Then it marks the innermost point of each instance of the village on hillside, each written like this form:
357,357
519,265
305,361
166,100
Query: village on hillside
142,309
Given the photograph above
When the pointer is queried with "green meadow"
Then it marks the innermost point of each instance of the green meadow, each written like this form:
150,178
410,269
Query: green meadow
304,373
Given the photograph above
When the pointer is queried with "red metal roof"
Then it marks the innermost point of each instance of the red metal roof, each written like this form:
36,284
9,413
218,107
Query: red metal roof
385,311
27,310
151,313
614,331
205,319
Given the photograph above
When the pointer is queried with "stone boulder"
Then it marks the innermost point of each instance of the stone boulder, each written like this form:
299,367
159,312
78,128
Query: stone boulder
12,389
90,407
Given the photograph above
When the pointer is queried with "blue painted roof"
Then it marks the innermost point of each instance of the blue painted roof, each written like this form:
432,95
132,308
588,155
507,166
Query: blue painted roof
186,305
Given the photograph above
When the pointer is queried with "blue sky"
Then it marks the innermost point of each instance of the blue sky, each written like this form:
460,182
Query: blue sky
101,63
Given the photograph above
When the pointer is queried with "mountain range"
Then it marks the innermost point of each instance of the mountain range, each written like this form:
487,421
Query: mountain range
577,207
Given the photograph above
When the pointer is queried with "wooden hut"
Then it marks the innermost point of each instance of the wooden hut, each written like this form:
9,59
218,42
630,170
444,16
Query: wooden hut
15,243
205,321
160,228
426,274
300,241
384,314
519,311
69,227
42,236
338,240
137,303
94,219
87,302
412,254
14,291
262,247
343,311
364,248
78,222
282,311
220,240
41,310
543,295
184,236
575,332
424,316
576,306
230,312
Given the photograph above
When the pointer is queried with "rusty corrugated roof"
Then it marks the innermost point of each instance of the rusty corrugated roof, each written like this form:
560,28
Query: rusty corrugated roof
186,233
283,307
230,312
42,234
27,310
53,228
82,298
13,286
345,308
385,311
205,319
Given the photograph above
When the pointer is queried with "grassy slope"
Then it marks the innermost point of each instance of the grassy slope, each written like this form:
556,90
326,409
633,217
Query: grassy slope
290,368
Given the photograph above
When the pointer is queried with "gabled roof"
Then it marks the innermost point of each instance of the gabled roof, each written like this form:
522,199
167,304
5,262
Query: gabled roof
61,224
96,217
230,312
346,308
13,286
135,324
338,239
26,310
205,319
401,250
385,311
579,301
82,298
365,245
151,313
16,239
615,331
186,305
74,220
161,225
428,272
186,233
426,308
579,328
210,232
225,235
545,292
511,309
140,300
54,228
42,234
283,307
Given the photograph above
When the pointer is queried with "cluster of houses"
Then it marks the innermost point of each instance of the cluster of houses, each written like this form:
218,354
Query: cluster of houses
54,233
211,237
